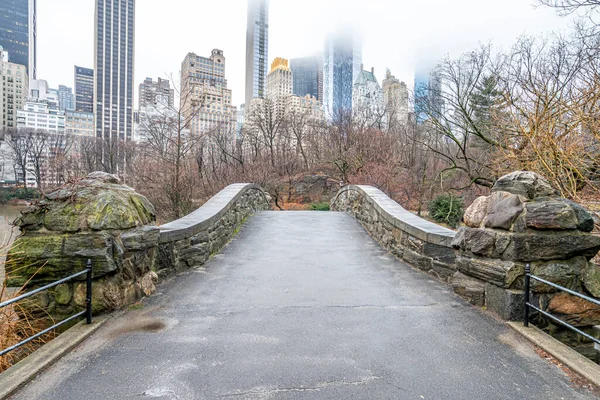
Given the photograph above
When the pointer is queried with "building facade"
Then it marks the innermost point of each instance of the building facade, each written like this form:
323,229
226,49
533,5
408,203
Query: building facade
279,84
152,93
307,75
113,78
14,88
79,123
257,49
205,99
18,20
367,95
84,89
66,100
306,105
395,99
342,60
41,114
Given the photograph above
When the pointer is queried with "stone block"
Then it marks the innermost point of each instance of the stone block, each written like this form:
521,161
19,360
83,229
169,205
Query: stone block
591,279
442,270
504,212
417,260
562,272
551,214
471,289
141,238
443,254
500,273
507,303
525,183
476,212
551,245
574,310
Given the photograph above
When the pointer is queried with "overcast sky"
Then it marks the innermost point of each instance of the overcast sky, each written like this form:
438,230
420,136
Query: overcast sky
397,34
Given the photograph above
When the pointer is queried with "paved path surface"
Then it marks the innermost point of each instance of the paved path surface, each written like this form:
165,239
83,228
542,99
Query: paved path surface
304,305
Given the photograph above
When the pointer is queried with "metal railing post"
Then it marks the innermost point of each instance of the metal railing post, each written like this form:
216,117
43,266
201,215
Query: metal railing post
527,287
88,293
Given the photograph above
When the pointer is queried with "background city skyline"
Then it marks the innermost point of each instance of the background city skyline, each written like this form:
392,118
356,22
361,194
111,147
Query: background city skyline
395,36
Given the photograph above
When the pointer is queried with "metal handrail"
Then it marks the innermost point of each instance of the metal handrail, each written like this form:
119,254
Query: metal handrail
87,312
528,305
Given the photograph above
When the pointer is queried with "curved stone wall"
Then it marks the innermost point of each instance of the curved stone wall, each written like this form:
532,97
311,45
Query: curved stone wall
190,241
417,241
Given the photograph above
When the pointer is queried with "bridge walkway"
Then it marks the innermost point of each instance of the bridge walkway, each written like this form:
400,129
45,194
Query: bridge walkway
304,305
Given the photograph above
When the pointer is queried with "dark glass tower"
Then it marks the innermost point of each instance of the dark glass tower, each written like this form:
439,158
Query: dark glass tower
18,32
84,89
307,73
113,79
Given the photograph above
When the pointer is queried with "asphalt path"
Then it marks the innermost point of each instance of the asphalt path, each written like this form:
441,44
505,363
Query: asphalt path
304,305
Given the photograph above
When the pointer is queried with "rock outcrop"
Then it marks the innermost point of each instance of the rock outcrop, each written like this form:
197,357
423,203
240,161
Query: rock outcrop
96,218
525,221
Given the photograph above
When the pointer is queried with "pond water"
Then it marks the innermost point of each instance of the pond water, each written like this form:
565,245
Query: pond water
8,232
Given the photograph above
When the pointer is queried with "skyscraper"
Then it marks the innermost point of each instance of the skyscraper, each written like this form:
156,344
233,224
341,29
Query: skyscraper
66,100
113,79
18,32
342,62
156,93
308,76
84,89
257,49
367,95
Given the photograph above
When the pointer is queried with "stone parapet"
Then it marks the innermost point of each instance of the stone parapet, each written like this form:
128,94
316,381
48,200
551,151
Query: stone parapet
190,241
419,242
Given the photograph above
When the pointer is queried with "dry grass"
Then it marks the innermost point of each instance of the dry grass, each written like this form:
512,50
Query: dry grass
20,320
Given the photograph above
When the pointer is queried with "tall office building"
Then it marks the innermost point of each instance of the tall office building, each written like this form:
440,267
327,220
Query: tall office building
257,49
84,89
342,62
156,93
66,101
113,78
205,99
18,32
308,76
428,94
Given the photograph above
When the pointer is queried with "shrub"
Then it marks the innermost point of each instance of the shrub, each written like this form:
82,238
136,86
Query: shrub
447,209
319,206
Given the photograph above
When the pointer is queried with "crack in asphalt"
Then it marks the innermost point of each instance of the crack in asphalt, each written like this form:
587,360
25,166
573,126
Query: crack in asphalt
265,393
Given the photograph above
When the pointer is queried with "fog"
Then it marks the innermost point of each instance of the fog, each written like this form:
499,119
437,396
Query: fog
399,35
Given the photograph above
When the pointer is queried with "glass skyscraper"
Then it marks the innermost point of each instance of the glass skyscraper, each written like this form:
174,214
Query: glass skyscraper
257,49
84,89
113,79
342,62
18,32
307,73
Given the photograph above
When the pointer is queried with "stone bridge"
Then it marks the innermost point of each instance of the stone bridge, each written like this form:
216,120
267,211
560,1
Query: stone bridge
259,304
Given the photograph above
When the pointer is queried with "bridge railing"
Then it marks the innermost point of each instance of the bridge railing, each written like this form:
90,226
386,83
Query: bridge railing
528,305
87,312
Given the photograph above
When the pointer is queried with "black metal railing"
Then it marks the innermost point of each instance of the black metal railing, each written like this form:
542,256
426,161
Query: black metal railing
87,312
528,305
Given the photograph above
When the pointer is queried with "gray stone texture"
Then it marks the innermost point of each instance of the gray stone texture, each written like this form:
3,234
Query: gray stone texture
522,221
96,218
190,241
527,222
420,243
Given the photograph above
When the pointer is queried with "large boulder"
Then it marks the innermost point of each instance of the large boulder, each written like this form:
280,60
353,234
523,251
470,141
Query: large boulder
525,183
96,218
